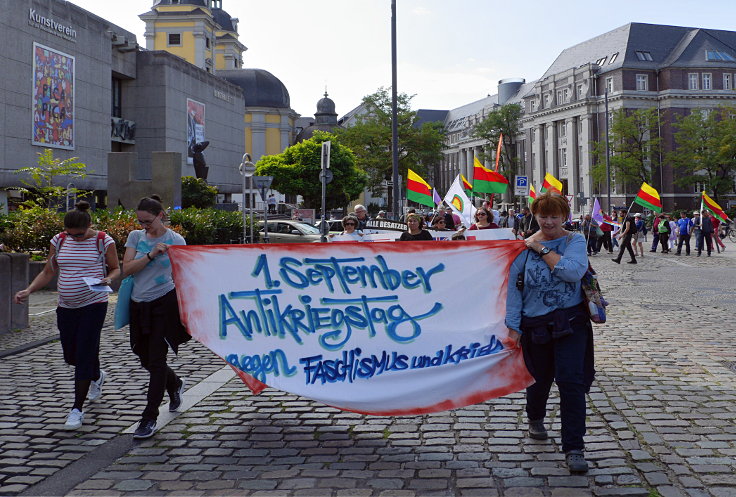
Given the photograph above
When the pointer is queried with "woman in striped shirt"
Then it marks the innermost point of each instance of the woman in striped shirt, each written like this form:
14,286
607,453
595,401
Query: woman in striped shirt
78,252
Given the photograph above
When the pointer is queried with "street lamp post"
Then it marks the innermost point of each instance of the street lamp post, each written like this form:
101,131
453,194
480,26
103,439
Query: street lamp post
608,157
70,194
247,168
394,116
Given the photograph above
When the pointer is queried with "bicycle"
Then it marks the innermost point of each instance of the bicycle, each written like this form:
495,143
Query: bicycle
728,231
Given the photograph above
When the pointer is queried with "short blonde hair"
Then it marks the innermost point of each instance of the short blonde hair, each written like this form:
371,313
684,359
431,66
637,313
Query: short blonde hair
550,204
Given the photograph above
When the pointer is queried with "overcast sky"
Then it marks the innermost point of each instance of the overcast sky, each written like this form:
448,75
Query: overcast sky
450,53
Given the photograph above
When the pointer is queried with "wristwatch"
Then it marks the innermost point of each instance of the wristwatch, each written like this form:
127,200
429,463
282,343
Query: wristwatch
544,251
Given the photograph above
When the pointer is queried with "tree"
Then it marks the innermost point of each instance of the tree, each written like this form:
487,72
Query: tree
504,120
42,188
370,139
706,150
296,171
195,192
634,148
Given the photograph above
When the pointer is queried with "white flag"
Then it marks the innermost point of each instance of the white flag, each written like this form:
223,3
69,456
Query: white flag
460,203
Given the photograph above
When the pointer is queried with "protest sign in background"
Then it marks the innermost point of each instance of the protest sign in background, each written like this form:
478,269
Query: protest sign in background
376,328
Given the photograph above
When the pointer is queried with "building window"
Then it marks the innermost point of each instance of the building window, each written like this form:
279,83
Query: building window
207,42
566,94
707,81
546,100
609,85
692,81
563,157
562,129
601,61
560,101
641,55
613,58
579,90
580,126
727,81
642,82
117,95
174,39
532,134
717,55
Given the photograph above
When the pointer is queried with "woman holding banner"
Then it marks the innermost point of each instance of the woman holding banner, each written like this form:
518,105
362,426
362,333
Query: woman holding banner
154,311
546,313
349,233
415,231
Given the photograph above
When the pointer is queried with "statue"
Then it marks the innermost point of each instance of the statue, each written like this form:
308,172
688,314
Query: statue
200,166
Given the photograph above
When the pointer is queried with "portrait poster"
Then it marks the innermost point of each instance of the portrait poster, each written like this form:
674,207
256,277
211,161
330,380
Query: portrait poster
195,126
53,98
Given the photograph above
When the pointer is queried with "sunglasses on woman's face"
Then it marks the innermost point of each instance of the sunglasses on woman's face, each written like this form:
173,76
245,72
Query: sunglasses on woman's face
349,224
482,214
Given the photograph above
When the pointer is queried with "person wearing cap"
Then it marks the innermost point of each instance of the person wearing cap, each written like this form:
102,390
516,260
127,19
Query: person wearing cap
684,230
638,238
381,215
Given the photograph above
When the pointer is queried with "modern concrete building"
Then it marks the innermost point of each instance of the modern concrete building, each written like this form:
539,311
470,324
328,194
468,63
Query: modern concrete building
81,85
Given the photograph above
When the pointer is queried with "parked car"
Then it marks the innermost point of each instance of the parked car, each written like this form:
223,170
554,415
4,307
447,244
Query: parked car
288,231
333,225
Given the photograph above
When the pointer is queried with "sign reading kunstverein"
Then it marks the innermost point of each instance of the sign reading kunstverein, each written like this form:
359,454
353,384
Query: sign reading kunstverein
53,98
377,328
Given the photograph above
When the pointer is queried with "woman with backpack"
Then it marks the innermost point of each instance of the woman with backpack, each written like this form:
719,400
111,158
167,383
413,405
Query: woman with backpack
78,252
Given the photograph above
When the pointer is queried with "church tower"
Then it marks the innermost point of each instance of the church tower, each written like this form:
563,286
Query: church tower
198,31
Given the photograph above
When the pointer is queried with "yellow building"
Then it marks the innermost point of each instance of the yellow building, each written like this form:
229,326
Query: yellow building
203,34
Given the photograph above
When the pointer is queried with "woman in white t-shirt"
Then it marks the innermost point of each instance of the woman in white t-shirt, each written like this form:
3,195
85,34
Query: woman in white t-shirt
78,252
349,234
154,312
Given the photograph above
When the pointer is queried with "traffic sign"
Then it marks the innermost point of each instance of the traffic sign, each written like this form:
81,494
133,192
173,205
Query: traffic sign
521,188
326,174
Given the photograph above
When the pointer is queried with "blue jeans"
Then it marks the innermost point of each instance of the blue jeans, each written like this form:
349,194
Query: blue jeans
563,361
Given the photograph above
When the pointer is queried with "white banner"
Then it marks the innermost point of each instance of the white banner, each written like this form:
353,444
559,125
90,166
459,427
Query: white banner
377,328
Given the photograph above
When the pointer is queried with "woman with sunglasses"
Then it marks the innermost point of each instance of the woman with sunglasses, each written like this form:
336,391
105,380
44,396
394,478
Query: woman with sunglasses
79,252
415,231
440,224
349,225
483,220
154,312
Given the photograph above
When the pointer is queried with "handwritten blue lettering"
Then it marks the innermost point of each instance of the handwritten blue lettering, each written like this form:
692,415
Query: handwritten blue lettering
259,366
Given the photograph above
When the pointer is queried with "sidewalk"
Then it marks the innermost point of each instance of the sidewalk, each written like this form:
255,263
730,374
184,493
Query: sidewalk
661,416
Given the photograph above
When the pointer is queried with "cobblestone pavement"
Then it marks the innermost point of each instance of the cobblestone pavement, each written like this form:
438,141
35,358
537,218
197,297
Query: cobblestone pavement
660,419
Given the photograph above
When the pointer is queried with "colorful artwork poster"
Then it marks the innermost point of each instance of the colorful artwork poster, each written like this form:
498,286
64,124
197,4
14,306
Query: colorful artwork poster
385,329
53,98
195,126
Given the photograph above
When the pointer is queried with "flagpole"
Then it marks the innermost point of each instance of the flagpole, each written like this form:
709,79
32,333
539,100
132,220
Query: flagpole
498,156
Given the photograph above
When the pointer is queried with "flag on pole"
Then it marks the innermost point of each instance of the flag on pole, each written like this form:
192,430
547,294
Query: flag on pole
551,183
436,197
487,181
498,150
532,194
418,190
597,211
648,197
716,209
467,186
460,203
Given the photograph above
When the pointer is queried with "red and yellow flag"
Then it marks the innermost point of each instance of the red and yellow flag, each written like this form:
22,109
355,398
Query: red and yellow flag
418,190
532,194
551,184
487,181
466,183
648,197
716,209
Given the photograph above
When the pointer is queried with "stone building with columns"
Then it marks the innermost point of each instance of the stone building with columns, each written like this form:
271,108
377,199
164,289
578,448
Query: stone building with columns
670,68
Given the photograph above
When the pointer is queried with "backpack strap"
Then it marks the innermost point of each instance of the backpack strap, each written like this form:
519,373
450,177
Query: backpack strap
101,248
57,248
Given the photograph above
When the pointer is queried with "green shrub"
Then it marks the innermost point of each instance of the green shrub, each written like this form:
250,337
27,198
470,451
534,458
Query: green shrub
31,230
195,192
209,226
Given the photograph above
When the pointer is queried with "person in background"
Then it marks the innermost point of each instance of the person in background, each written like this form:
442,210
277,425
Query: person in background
697,226
605,240
684,230
361,214
706,232
483,220
504,220
546,313
78,252
663,228
349,225
625,235
415,231
449,218
529,224
672,242
381,215
272,204
440,224
639,238
155,325
717,239
655,232
590,232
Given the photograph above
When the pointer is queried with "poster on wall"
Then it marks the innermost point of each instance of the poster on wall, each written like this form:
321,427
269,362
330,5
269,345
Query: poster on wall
53,98
195,127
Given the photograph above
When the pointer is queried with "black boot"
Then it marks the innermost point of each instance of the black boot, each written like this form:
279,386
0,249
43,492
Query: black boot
537,431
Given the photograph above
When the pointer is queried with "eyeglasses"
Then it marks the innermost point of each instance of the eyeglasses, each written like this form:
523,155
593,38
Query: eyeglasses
482,214
76,235
348,224
141,221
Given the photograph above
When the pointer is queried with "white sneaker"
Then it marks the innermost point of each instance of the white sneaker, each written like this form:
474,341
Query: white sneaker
95,387
74,420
